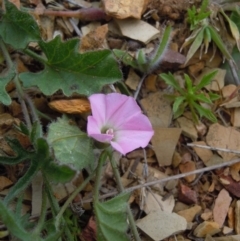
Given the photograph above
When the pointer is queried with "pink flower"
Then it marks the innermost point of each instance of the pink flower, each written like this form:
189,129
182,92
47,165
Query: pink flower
118,120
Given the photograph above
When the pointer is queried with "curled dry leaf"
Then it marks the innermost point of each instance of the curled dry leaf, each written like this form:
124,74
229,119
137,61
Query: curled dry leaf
74,106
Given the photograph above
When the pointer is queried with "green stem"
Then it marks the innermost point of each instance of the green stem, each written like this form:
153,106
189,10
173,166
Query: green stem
102,159
35,56
52,200
6,54
71,197
121,189
22,102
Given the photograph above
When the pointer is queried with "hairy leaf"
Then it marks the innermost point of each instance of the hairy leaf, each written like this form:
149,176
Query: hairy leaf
5,78
13,225
68,70
162,47
56,173
21,154
126,58
112,219
18,28
24,181
71,145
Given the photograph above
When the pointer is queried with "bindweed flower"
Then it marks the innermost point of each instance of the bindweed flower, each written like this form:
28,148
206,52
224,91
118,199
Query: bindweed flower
117,119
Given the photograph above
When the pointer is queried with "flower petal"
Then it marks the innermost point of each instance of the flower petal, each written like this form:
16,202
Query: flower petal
129,140
98,107
120,108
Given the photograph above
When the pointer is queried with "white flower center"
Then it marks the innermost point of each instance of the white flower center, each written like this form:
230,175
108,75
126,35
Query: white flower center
110,132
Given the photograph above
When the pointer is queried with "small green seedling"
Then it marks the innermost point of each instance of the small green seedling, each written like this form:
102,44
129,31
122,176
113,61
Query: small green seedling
206,29
141,62
191,96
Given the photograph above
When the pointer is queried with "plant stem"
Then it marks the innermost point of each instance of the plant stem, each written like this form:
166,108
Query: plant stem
102,159
35,56
139,86
6,54
22,102
121,189
71,197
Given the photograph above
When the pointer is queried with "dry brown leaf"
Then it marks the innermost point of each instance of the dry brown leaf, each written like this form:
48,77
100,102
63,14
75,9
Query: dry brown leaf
221,206
188,166
230,141
132,80
158,109
125,8
4,182
95,39
73,106
164,143
204,154
235,171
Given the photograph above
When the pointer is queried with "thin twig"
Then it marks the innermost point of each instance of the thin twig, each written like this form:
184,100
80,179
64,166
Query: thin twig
147,184
214,148
139,87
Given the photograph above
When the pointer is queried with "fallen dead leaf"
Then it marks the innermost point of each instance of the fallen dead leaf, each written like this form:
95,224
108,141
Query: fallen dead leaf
125,8
4,182
164,143
204,154
132,80
188,166
230,141
137,29
190,213
154,226
154,202
206,227
158,109
235,171
95,39
73,106
221,206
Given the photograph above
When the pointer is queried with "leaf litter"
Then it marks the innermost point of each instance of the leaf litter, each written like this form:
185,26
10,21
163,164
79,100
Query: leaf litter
166,211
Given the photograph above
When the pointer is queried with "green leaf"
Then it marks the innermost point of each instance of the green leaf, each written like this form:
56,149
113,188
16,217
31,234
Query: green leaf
126,58
195,45
180,110
178,101
21,154
5,78
206,80
13,225
188,83
213,96
71,145
158,55
205,112
218,41
56,173
170,80
203,98
112,219
24,181
18,28
68,70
